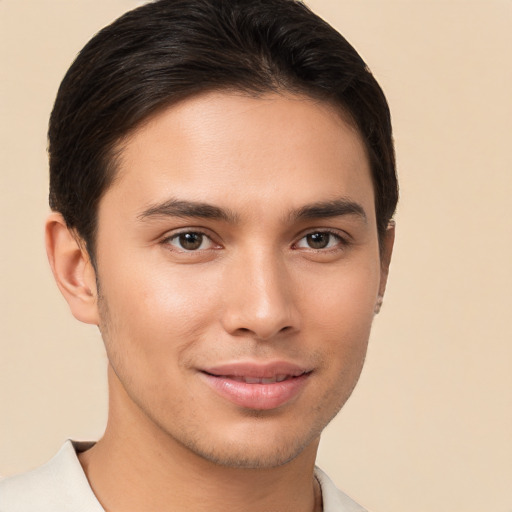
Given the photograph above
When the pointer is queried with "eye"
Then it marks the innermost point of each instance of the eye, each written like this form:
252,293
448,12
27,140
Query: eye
190,241
319,240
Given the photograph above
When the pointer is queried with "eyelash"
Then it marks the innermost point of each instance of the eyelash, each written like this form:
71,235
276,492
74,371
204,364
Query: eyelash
167,240
342,242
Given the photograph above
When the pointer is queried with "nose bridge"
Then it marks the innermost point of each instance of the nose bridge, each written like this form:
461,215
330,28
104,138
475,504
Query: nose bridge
261,299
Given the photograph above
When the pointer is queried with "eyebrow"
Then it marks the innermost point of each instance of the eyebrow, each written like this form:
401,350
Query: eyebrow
188,209
194,209
325,209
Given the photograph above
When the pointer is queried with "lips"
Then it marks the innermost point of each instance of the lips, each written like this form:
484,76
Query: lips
257,380
255,385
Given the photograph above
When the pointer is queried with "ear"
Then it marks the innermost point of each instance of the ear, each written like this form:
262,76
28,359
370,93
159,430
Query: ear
385,260
72,269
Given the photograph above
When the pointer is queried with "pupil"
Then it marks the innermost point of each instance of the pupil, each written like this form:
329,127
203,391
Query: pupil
318,240
191,241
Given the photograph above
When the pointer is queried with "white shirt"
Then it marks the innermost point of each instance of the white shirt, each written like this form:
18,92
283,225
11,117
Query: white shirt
61,486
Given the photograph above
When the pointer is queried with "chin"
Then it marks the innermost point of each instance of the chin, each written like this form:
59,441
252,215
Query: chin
245,456
255,446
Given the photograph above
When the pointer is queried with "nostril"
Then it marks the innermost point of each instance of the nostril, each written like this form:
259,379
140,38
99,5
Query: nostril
244,331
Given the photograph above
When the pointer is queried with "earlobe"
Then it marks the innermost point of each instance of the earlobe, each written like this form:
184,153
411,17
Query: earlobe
385,260
72,269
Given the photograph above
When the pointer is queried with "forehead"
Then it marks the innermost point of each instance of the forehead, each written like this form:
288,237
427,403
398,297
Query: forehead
246,152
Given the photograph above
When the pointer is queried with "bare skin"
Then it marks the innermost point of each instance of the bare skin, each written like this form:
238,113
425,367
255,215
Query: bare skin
239,270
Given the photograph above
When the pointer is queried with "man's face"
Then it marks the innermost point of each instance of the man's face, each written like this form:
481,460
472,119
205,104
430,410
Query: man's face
239,268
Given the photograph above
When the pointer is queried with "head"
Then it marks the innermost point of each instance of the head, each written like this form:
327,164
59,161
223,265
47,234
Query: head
223,180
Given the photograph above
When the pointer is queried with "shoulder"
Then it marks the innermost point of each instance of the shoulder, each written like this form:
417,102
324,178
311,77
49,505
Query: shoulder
333,499
59,485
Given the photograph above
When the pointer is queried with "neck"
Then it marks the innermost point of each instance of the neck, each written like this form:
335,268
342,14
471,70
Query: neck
136,467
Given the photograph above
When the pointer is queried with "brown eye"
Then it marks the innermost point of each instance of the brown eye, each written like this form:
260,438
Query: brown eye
190,241
318,240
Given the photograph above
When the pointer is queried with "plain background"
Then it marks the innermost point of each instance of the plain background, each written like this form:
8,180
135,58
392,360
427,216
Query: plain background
429,427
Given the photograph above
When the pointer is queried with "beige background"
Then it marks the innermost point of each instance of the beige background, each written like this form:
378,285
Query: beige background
429,427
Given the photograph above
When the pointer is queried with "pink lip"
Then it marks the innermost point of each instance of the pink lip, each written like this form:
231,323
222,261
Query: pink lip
228,381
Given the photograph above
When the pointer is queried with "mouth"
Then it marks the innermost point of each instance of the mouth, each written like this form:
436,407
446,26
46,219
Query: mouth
256,380
257,386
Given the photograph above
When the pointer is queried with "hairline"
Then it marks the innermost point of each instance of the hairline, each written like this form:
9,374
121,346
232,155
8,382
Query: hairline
113,155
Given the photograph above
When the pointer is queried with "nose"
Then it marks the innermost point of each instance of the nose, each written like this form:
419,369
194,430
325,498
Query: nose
259,298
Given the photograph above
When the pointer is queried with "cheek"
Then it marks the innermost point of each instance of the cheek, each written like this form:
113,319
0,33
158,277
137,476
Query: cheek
155,309
345,298
339,315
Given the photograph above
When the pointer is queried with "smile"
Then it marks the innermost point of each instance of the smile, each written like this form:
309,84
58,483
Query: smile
256,386
256,380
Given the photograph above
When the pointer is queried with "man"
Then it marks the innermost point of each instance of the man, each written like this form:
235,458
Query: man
222,182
